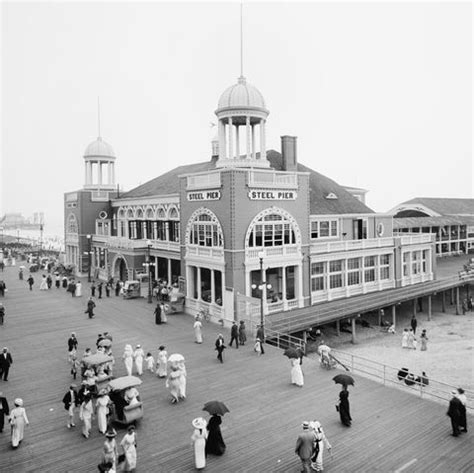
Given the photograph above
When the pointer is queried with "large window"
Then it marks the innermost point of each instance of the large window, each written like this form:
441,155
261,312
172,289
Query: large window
385,266
406,263
416,262
324,229
72,224
272,230
317,276
206,231
335,273
353,271
369,268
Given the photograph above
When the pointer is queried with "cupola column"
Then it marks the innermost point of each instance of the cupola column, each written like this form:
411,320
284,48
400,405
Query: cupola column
253,142
99,173
247,126
231,139
263,153
237,142
222,143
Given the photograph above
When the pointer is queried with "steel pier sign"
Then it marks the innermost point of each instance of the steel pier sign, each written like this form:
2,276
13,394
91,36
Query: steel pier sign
204,195
264,194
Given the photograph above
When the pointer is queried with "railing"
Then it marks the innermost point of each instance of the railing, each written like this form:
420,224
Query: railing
273,179
283,340
204,181
387,374
351,245
414,239
272,251
204,252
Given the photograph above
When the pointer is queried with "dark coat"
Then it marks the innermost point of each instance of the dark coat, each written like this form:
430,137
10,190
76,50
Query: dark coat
158,315
234,331
5,361
67,399
455,410
72,343
215,443
304,444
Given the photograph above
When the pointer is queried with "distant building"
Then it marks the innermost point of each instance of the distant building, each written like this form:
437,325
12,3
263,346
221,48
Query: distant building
450,220
218,226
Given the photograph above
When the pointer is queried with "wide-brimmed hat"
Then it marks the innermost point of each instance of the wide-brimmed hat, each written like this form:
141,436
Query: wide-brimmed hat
161,347
305,424
18,402
111,433
199,423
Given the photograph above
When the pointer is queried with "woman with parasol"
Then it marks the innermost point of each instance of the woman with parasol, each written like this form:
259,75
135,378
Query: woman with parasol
296,371
344,408
199,442
215,443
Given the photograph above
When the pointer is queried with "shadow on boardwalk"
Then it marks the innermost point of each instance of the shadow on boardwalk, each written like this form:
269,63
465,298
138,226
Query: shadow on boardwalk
390,429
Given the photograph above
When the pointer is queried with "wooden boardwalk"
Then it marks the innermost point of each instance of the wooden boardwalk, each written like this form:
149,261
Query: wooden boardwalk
392,430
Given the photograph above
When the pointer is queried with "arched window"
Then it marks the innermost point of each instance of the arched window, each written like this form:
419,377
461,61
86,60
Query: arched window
161,215
272,229
149,214
173,214
130,214
204,229
139,213
72,224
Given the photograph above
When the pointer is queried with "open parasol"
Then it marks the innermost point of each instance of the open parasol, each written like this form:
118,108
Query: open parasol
344,379
215,407
124,382
106,343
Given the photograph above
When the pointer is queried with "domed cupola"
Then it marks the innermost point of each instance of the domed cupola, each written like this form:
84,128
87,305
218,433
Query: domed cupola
99,160
242,105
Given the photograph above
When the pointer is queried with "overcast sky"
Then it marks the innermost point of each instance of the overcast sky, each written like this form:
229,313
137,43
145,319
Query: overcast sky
378,94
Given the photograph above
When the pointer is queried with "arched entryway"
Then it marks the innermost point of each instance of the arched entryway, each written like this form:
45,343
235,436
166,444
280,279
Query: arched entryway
120,270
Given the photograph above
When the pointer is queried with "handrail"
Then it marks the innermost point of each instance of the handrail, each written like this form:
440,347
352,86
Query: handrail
284,340
438,390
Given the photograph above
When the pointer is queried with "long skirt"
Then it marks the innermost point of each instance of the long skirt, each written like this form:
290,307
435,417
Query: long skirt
161,372
102,418
130,458
128,365
139,364
198,334
17,431
199,453
297,374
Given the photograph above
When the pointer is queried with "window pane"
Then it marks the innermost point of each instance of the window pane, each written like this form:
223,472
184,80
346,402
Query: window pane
324,229
335,266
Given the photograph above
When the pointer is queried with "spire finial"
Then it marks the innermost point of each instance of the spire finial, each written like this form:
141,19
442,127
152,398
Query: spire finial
98,116
241,40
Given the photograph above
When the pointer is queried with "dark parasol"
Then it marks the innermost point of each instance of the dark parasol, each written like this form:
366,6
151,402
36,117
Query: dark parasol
344,379
215,407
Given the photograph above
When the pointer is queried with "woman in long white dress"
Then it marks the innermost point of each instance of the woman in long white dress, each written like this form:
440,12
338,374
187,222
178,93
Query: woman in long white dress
44,284
138,356
164,319
173,383
78,289
405,338
162,361
128,358
296,372
182,380
85,414
199,442
18,420
129,446
197,330
320,441
102,410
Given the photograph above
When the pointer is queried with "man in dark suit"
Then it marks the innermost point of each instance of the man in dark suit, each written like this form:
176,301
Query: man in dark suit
71,401
454,412
304,447
234,335
72,342
5,362
4,410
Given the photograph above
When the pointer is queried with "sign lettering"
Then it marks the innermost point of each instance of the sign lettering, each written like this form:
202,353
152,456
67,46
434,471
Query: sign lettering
258,194
204,195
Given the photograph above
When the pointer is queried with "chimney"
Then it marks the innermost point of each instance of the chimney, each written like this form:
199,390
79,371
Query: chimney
215,147
288,153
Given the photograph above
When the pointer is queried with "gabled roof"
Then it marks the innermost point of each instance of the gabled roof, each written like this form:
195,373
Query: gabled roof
417,222
445,206
320,187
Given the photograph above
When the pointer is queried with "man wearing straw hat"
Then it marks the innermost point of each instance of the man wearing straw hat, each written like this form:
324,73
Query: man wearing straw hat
304,447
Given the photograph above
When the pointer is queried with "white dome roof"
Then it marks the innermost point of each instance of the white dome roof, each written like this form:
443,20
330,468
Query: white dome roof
99,148
241,94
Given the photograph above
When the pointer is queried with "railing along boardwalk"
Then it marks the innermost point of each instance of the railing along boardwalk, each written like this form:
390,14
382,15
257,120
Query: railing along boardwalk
390,427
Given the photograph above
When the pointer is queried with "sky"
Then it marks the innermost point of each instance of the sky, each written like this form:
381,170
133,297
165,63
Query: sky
379,94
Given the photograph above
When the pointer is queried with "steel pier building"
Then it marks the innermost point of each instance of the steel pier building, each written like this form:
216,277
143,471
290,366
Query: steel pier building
245,216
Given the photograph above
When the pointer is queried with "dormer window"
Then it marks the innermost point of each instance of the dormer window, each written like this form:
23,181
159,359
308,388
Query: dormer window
331,196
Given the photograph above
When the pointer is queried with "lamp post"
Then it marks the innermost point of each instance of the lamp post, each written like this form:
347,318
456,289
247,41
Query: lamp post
148,247
89,258
262,287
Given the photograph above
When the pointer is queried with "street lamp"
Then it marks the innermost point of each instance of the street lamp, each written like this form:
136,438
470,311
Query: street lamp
148,246
89,258
262,287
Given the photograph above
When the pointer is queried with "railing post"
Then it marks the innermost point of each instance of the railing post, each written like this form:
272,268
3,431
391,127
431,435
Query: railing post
352,362
384,366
